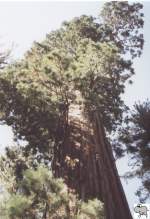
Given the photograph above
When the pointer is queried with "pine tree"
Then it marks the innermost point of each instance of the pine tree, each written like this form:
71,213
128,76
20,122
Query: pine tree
135,135
39,195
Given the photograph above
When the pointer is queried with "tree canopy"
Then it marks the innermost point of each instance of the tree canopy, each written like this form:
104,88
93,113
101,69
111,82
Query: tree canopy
86,54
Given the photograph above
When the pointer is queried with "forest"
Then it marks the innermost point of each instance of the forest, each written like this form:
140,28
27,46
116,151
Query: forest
63,101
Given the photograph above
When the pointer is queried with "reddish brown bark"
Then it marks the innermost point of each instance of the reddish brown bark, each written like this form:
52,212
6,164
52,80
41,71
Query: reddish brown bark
116,205
94,173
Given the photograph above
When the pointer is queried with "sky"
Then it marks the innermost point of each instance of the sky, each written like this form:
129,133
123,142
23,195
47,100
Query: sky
21,23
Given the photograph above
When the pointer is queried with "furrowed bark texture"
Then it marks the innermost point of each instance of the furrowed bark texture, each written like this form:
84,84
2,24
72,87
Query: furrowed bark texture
85,160
116,205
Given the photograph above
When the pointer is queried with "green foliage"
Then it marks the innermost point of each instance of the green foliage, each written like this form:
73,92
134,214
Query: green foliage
17,205
136,137
91,209
122,22
40,195
85,54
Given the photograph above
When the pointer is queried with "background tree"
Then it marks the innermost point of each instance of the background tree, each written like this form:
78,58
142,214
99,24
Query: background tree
136,137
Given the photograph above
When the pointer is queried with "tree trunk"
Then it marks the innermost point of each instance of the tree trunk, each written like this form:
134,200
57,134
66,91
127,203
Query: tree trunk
85,160
116,205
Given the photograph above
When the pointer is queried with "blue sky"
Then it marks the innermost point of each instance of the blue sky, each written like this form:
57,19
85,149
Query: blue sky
21,23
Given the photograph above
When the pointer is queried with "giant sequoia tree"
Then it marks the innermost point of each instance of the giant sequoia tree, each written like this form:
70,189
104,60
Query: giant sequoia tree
63,98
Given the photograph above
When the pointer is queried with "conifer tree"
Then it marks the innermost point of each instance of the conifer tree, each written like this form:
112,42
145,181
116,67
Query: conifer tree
39,195
83,66
134,138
